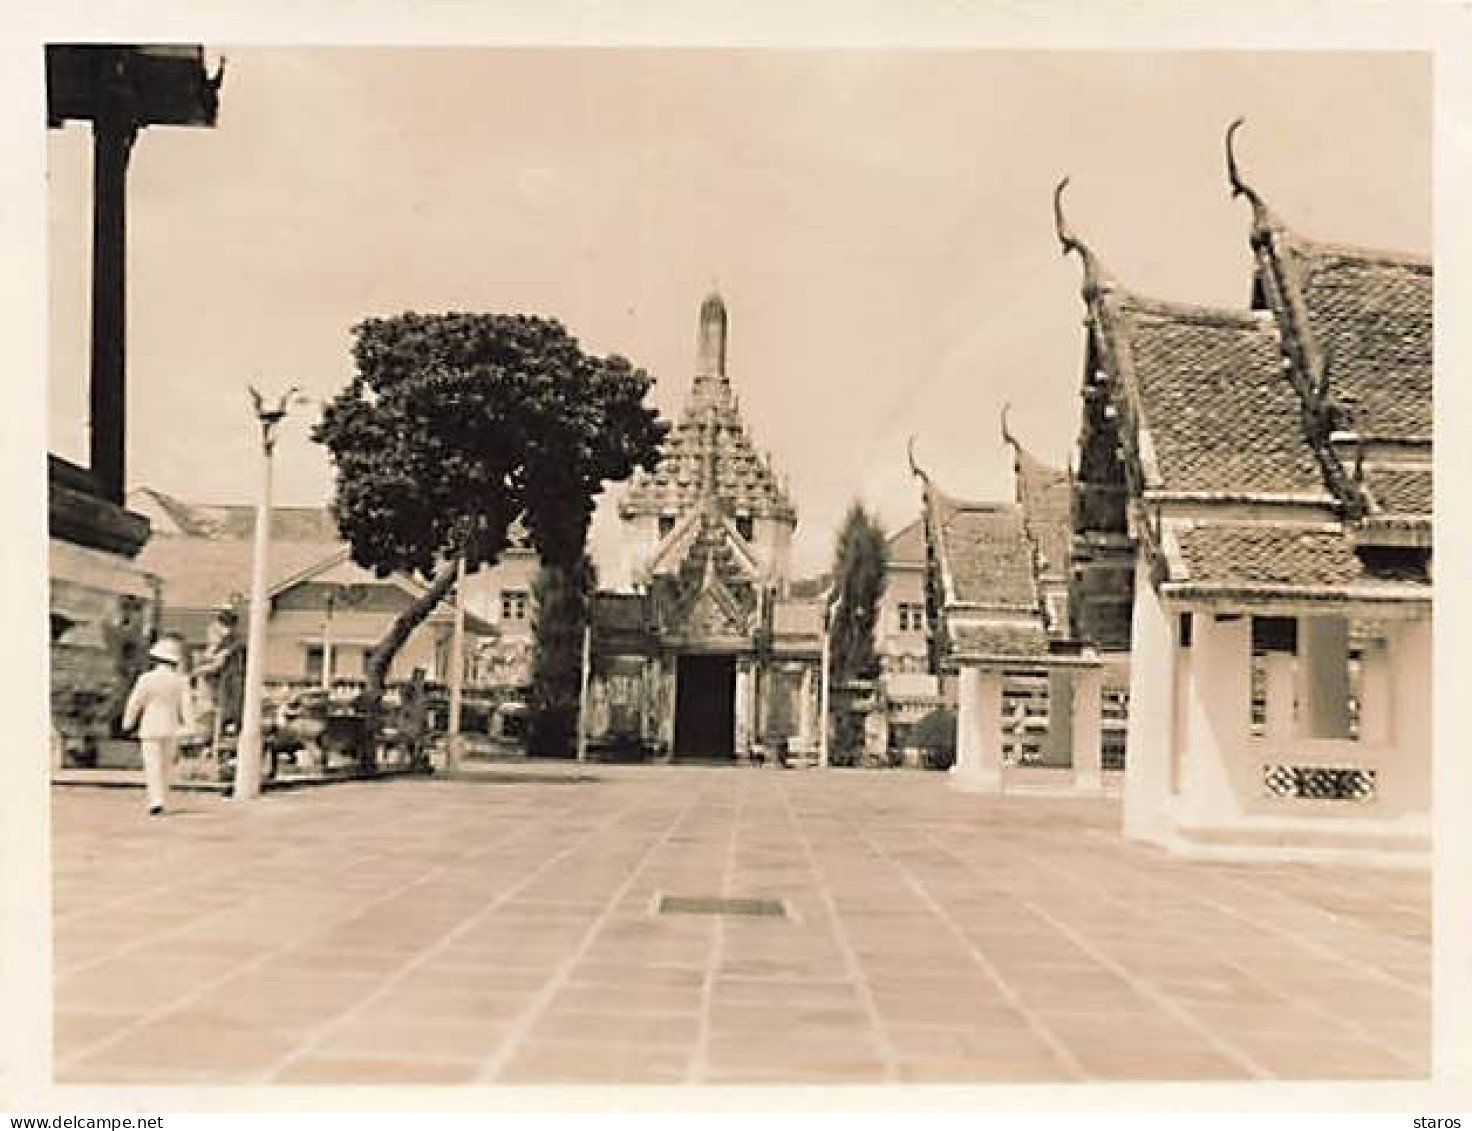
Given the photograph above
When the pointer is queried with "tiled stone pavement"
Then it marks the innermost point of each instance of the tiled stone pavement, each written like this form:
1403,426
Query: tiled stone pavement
501,930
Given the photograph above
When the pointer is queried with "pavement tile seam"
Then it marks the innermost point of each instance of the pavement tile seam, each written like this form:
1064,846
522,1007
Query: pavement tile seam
492,1067
1321,954
889,1054
1147,990
1229,973
1327,954
699,1063
1067,1061
309,1046
197,992
1251,891
1184,1012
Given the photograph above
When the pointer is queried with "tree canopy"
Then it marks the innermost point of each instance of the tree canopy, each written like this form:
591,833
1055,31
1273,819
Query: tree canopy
454,425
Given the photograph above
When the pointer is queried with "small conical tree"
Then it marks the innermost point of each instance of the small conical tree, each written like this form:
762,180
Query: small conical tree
860,559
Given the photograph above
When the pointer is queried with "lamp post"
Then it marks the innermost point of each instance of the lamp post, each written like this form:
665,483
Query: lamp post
248,747
457,671
830,612
584,667
327,642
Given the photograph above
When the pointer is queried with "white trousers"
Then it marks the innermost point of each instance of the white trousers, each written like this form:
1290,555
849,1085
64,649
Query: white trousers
158,769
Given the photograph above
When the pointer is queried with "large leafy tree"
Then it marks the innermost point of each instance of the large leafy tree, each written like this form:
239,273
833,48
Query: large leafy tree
860,559
456,424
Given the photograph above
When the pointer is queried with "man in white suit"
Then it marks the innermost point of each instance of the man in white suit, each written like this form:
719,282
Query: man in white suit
160,707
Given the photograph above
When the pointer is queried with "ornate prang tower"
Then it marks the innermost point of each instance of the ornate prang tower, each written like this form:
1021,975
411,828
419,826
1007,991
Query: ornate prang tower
710,463
711,529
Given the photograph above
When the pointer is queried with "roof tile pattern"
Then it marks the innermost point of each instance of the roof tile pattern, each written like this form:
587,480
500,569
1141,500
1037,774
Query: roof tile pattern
1401,491
1275,556
1371,315
986,549
1023,640
1221,414
1046,497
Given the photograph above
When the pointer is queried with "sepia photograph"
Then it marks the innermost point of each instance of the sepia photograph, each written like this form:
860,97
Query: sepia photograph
675,566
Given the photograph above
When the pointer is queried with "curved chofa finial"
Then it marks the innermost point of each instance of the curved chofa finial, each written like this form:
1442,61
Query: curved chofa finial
1007,437
1071,243
915,469
1261,216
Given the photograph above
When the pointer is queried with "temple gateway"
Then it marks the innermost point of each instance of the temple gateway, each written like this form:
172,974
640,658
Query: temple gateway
710,656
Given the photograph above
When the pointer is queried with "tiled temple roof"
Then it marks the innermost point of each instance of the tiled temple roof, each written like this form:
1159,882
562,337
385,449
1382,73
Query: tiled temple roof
1267,407
1264,557
1211,393
985,552
1371,315
1045,495
1022,640
1400,492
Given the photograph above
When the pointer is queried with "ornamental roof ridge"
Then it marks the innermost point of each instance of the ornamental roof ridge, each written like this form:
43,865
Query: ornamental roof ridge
1337,249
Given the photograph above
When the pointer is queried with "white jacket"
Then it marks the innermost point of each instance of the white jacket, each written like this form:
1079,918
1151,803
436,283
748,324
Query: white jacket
161,697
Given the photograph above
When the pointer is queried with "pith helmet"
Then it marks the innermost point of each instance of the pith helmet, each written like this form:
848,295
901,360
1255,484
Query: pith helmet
168,650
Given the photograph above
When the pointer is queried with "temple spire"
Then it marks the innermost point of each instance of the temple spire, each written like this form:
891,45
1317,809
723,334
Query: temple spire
710,359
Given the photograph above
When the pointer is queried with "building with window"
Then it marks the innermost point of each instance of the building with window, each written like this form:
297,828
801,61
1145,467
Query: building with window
326,612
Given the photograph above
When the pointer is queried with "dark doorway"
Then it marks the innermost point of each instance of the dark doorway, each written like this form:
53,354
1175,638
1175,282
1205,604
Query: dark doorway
705,707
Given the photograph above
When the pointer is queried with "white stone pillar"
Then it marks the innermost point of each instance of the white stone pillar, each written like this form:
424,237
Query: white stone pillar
805,737
979,731
1148,742
1279,726
1180,705
1375,695
1219,721
1323,670
1404,779
1087,716
743,709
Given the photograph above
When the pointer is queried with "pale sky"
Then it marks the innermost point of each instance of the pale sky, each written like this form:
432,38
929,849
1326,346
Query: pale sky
878,223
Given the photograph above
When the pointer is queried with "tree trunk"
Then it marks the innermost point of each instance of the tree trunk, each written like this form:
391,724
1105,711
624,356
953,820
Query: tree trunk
382,657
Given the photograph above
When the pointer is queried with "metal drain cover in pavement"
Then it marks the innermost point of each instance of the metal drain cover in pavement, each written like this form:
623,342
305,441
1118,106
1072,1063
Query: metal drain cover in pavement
710,905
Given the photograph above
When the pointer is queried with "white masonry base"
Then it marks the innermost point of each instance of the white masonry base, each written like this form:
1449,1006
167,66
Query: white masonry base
1361,842
1205,781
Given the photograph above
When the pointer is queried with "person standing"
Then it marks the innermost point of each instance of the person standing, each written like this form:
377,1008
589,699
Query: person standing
160,706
